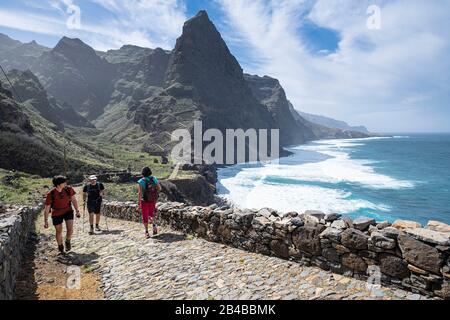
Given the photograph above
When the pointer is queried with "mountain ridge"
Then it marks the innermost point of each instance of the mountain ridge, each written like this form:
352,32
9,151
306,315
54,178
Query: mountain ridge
137,96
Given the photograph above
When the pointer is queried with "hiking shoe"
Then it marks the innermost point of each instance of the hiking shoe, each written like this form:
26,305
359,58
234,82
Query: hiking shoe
68,246
61,248
155,230
91,232
147,235
97,228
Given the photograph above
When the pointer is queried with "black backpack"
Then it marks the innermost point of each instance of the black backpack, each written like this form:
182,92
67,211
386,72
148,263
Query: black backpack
151,194
90,188
52,196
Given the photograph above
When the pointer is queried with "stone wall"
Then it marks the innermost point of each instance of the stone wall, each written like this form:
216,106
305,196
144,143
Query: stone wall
15,226
403,254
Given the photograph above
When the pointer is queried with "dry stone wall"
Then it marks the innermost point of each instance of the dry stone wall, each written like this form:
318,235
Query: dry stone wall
403,254
15,226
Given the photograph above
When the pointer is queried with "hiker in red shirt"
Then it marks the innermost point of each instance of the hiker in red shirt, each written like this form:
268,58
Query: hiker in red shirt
59,201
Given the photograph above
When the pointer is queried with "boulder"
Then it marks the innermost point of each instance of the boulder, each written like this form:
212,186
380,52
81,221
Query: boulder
380,241
354,262
444,292
406,224
348,222
340,248
307,238
265,212
391,232
383,225
416,270
363,223
429,236
310,220
332,217
330,254
318,214
292,214
260,222
438,226
332,234
297,222
354,239
393,266
372,229
282,224
280,248
420,254
339,224
244,218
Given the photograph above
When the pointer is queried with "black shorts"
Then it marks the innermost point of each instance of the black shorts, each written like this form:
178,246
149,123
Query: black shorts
65,217
94,207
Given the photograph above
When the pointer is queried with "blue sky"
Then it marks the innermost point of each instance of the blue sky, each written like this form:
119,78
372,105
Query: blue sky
395,78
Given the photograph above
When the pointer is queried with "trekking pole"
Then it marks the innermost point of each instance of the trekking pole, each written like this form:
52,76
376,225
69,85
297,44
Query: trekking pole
106,221
84,213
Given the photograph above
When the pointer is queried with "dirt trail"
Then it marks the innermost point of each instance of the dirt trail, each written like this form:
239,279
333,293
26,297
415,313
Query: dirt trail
44,274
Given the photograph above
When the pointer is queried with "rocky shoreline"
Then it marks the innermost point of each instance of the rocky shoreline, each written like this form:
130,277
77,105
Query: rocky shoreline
403,254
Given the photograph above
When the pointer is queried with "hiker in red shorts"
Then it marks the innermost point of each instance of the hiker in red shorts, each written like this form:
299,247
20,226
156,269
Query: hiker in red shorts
59,201
149,187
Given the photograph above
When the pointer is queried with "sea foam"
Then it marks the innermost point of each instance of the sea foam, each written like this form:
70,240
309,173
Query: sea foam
307,185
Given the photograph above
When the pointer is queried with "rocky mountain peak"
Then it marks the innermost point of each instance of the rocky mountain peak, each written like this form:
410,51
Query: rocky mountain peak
75,50
202,60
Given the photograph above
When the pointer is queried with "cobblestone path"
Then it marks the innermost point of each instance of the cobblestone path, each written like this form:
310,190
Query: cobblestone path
173,266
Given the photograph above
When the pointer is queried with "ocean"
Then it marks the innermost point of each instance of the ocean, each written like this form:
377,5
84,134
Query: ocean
406,176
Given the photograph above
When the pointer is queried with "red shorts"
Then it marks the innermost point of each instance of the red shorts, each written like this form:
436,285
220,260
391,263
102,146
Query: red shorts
148,210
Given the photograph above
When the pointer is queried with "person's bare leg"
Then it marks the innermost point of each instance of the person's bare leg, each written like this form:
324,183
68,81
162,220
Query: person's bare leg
97,219
59,237
69,233
91,219
69,227
59,232
91,222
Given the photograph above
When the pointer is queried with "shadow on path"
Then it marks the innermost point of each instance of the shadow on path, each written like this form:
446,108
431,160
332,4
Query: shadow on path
26,285
169,237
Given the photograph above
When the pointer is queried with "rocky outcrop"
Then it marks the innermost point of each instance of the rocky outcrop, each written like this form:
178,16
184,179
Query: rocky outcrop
310,239
12,117
28,88
16,223
270,93
32,146
73,73
323,132
203,82
17,55
332,123
195,191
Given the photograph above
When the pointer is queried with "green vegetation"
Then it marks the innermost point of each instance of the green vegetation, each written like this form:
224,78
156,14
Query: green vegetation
121,192
18,187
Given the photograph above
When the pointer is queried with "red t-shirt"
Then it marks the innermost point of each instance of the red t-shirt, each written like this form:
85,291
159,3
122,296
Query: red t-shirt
61,201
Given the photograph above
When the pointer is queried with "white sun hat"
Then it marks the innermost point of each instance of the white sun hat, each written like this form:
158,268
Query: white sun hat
93,177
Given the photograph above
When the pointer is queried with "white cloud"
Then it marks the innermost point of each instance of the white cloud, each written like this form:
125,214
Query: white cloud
160,20
402,67
147,23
